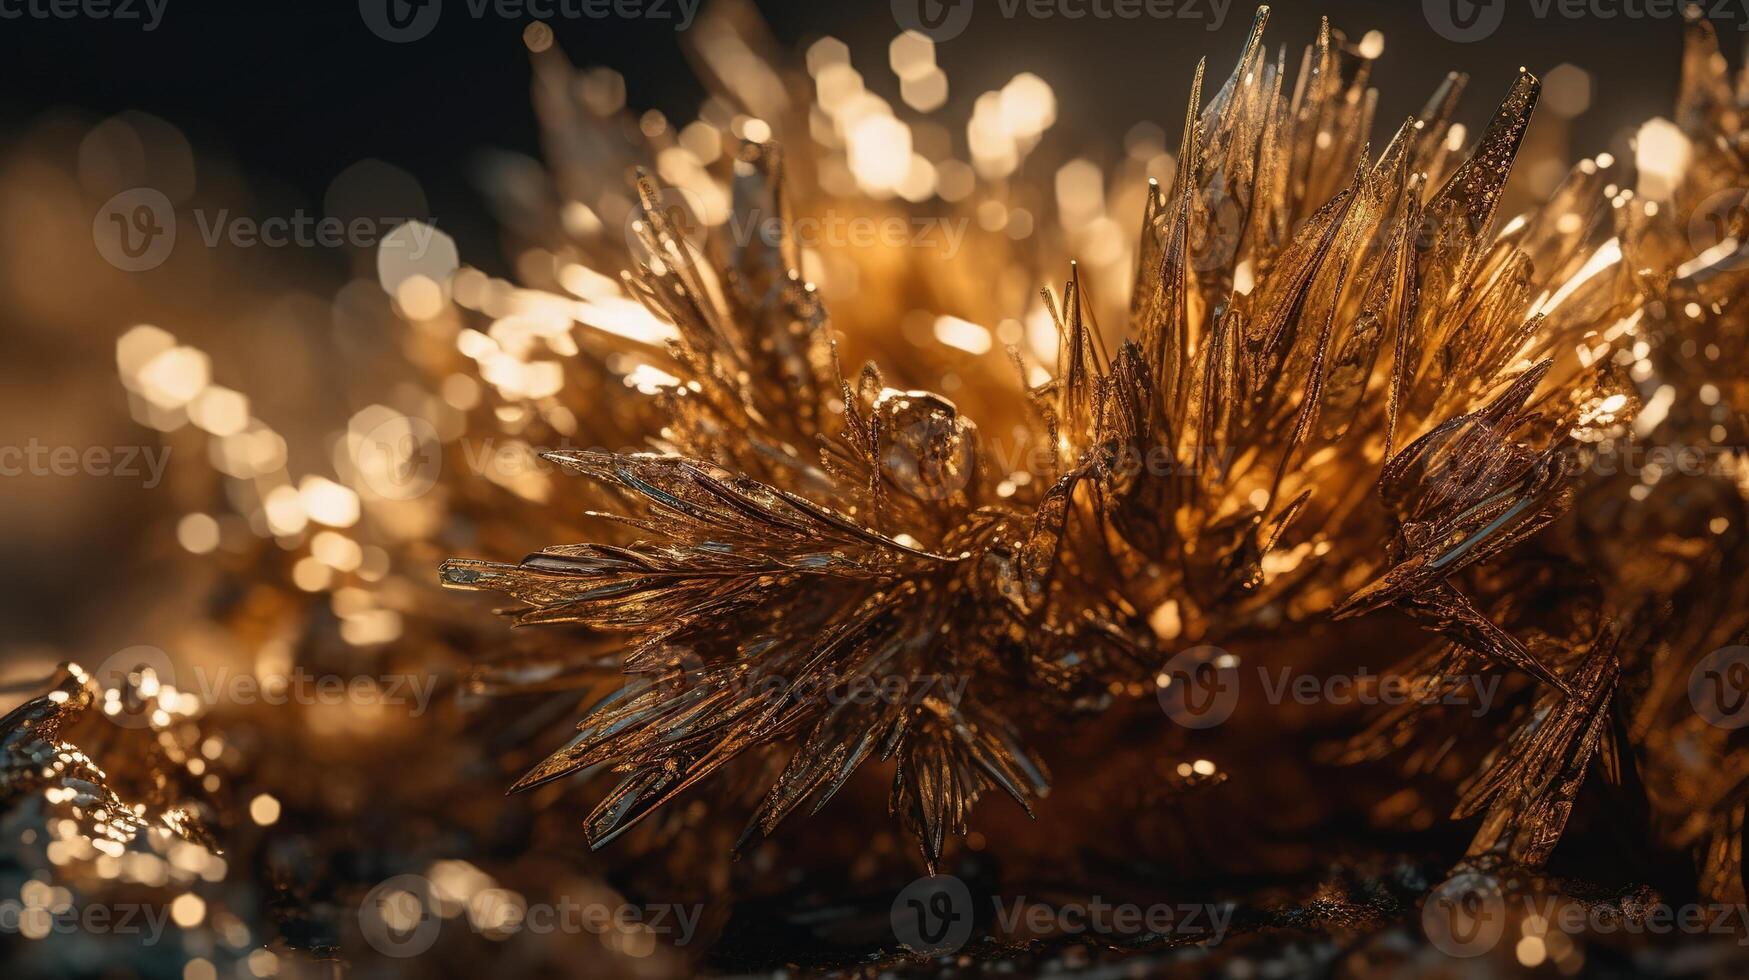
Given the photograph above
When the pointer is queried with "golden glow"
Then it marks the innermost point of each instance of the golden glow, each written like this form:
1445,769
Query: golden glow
173,378
880,152
187,910
1028,105
1661,155
264,810
198,533
327,502
963,334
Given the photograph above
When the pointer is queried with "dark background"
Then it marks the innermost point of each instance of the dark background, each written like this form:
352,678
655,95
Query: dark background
295,92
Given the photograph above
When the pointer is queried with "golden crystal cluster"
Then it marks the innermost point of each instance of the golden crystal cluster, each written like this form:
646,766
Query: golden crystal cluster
1324,349
1288,397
